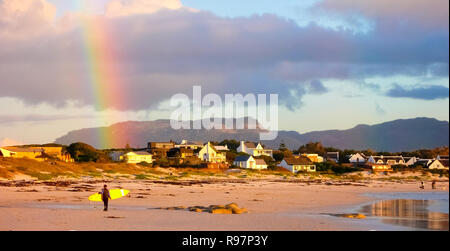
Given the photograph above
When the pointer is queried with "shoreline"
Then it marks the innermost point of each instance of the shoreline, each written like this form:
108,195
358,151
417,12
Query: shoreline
272,205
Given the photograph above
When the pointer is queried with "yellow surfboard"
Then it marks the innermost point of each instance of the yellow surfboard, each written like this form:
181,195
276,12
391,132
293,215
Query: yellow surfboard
114,193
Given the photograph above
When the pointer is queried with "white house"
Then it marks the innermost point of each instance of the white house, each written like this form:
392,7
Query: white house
250,163
357,158
438,165
254,150
410,161
137,157
301,164
211,154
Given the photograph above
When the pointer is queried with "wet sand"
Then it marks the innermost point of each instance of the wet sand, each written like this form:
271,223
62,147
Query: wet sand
272,206
415,211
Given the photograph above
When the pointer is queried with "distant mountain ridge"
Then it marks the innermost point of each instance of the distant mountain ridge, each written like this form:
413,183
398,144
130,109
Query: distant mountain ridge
393,136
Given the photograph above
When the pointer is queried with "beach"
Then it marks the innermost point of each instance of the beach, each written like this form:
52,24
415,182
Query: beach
272,204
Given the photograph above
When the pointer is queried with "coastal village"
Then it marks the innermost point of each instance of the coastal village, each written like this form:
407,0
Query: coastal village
248,155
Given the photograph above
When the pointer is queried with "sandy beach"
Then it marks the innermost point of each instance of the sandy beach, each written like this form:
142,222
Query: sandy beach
272,204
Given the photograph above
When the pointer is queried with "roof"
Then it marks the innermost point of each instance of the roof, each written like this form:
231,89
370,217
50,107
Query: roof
161,145
242,158
387,158
221,148
444,162
186,142
298,161
357,154
141,153
22,149
424,160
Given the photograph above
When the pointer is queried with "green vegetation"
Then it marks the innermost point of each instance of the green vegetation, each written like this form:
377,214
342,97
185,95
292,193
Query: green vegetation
141,177
333,168
231,143
82,152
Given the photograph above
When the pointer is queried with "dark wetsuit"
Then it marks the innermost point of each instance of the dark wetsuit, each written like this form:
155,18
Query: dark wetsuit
105,197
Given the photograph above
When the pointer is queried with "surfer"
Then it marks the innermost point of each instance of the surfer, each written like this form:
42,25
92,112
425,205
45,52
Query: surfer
105,197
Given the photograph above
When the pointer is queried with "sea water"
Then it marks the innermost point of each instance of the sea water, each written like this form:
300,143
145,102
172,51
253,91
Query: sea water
412,211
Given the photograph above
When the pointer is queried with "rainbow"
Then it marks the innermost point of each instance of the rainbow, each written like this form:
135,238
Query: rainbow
104,75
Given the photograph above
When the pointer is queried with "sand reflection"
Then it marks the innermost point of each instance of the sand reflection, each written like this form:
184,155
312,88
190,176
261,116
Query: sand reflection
409,213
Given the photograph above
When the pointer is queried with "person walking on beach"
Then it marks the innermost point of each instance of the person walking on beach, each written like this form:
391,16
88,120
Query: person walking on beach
422,185
433,185
105,197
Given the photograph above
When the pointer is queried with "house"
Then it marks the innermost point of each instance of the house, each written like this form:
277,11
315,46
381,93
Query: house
254,150
314,157
210,153
37,153
116,156
410,161
301,164
332,156
194,145
438,165
23,152
160,149
357,158
387,160
137,157
250,163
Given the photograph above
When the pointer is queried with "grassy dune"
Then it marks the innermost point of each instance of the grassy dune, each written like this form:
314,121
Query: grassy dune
25,169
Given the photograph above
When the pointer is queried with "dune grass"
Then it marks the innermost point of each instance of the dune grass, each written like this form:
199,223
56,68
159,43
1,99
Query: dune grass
9,168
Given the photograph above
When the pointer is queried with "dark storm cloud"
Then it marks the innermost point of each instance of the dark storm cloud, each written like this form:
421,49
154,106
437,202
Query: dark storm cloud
426,93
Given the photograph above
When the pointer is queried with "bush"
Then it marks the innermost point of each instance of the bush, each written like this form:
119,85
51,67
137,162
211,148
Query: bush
330,168
82,152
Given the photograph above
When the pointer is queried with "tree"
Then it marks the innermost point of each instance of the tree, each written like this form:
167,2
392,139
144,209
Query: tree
231,143
282,146
82,152
312,147
278,155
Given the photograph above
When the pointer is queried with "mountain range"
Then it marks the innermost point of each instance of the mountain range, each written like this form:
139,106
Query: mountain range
393,136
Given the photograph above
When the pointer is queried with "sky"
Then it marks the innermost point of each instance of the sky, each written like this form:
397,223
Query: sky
72,64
